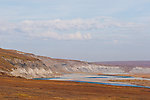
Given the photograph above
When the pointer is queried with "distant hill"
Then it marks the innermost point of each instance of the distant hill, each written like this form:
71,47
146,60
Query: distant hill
127,63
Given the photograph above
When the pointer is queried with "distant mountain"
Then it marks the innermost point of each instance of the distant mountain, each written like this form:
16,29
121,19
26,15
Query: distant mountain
126,63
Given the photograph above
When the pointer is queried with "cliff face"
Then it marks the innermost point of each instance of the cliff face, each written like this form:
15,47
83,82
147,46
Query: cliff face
30,69
31,66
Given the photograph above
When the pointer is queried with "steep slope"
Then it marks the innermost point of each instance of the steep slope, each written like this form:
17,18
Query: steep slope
11,55
16,63
12,60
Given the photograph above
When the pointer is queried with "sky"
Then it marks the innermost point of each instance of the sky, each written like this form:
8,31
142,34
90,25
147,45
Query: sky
88,30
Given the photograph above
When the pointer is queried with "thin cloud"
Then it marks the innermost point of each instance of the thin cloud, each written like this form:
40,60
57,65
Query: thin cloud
78,24
70,36
75,29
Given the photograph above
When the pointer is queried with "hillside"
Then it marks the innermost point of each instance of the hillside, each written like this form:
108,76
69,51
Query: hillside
6,55
127,63
16,63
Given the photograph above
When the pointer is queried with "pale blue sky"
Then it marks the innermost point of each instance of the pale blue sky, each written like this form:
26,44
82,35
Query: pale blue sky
90,30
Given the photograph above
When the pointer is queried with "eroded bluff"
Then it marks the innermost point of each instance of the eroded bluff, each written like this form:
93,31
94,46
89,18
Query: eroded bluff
27,65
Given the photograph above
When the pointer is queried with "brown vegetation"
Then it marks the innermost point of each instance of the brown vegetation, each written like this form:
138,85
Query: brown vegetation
11,54
132,75
142,75
135,81
22,89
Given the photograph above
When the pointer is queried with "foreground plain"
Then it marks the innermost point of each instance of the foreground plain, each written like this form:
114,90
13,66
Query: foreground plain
12,88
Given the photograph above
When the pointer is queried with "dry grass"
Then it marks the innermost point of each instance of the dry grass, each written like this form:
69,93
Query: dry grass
133,75
22,89
135,81
11,54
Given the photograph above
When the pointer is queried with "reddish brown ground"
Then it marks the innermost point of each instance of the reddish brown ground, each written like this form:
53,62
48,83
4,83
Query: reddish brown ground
21,89
135,81
133,75
141,75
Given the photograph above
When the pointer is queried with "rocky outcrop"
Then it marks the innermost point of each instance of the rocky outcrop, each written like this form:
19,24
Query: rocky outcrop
32,66
140,70
30,69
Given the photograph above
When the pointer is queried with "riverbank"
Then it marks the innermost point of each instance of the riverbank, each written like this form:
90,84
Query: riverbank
17,88
105,79
129,74
135,82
